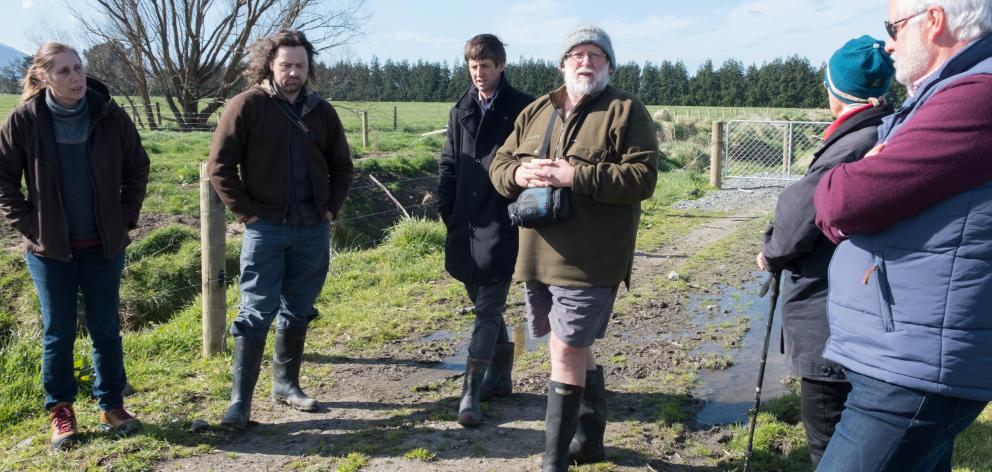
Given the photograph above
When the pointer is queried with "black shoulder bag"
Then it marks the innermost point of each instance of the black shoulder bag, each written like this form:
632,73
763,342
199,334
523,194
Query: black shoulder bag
540,206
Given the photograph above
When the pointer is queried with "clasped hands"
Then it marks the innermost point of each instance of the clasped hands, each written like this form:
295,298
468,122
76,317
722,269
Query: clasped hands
544,173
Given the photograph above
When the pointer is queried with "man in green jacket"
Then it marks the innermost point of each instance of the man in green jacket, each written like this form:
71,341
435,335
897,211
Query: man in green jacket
602,146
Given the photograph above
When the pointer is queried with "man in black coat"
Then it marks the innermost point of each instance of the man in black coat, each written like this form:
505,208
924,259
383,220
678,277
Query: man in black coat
481,246
857,77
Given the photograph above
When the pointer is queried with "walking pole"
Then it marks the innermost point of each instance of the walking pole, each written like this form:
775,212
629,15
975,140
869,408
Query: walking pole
772,282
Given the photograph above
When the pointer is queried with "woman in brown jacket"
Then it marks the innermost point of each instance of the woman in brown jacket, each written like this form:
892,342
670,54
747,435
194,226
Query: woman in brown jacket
85,173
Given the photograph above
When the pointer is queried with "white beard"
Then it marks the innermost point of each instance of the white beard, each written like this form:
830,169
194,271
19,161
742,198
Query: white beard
582,86
911,60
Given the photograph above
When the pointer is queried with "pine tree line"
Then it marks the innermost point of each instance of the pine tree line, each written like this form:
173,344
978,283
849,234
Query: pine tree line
791,82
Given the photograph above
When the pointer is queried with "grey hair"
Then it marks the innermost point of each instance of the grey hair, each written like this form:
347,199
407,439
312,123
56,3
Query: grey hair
967,20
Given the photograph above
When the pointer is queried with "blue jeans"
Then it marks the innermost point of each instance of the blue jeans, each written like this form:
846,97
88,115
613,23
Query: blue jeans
489,329
283,268
58,284
885,427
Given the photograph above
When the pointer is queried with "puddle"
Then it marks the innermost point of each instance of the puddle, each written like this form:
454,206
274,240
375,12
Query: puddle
518,334
729,393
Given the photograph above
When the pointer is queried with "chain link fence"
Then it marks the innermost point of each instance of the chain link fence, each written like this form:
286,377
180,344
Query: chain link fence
771,150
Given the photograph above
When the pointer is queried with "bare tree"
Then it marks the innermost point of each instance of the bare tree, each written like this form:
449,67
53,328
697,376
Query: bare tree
193,51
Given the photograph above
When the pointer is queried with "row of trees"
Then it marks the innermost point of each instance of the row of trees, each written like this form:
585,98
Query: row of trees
193,52
789,82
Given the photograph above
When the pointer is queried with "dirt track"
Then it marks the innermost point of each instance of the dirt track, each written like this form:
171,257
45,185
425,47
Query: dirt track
406,396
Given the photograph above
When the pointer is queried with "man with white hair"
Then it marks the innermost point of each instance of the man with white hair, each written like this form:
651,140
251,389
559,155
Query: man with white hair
599,143
911,283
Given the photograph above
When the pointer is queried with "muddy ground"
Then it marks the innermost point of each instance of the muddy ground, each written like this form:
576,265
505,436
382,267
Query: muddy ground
404,398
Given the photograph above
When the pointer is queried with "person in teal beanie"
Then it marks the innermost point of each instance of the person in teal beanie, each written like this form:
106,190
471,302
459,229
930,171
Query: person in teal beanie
858,76
860,72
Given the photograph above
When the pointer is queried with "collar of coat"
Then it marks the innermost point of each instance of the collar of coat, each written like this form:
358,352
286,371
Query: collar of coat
98,99
310,98
559,95
471,95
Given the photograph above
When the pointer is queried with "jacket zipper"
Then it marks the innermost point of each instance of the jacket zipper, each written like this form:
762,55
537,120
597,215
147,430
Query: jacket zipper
559,150
884,292
96,196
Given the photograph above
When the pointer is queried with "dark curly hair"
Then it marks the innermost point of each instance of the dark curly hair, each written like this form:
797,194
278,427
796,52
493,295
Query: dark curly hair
264,51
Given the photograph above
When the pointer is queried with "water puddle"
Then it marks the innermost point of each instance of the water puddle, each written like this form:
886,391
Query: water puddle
729,393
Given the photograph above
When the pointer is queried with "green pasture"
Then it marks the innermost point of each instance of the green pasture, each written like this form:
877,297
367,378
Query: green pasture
389,291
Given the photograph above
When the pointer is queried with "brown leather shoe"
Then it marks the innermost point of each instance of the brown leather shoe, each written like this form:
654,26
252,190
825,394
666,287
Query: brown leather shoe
119,421
63,425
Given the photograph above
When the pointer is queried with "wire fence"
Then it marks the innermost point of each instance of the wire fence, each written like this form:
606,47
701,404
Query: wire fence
771,150
406,117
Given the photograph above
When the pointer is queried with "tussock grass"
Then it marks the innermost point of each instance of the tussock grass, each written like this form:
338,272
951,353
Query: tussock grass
420,454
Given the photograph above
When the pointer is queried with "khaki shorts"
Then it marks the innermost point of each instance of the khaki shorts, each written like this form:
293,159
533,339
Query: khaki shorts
577,316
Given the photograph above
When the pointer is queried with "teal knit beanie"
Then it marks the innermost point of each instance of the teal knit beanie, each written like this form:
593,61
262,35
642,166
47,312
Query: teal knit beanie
859,71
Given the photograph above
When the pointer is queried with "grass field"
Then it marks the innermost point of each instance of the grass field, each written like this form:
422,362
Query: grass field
428,116
395,290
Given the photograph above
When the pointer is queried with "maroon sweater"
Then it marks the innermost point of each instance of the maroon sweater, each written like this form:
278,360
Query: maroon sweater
943,150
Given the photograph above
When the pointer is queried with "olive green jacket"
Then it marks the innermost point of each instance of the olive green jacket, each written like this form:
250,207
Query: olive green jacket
614,153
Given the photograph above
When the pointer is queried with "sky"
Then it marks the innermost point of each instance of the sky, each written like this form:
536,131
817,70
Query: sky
752,31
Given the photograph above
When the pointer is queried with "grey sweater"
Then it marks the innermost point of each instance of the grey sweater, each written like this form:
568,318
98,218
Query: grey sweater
71,126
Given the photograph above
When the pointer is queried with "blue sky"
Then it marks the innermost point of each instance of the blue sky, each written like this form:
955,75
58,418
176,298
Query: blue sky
641,30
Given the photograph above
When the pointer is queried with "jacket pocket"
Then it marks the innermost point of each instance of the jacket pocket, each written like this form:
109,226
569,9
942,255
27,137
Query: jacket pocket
579,154
884,291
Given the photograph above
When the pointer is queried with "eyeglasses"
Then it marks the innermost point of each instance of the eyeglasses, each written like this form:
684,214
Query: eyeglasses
894,27
578,57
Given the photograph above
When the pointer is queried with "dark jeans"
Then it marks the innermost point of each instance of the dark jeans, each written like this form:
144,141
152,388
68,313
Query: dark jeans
58,284
821,403
283,268
886,427
489,329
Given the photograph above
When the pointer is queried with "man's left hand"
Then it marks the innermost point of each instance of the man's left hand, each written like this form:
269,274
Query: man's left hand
330,215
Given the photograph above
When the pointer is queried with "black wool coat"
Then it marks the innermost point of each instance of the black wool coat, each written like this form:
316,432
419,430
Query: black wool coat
797,248
481,246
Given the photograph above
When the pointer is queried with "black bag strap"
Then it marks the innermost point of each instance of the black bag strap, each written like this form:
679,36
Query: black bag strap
543,153
291,114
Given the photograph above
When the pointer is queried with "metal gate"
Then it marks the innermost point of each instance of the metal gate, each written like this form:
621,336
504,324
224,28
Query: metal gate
771,150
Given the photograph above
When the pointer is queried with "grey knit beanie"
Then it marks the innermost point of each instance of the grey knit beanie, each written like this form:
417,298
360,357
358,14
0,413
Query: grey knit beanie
588,34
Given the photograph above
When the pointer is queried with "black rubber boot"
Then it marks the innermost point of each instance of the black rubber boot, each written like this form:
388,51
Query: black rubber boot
247,360
587,445
560,423
287,357
469,411
498,381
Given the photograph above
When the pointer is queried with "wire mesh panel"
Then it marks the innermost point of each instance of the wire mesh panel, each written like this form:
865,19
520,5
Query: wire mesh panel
771,150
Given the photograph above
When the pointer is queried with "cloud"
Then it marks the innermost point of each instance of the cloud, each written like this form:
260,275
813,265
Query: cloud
27,4
755,31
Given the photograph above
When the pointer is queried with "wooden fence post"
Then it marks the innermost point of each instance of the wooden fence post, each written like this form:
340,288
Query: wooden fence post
365,129
716,155
212,264
158,112
395,121
787,149
519,340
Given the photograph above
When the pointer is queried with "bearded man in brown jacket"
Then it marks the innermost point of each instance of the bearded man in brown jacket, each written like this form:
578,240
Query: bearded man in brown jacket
280,161
603,147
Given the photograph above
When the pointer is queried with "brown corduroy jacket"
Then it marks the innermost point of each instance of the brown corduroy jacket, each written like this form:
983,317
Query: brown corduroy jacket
248,156
118,171
614,153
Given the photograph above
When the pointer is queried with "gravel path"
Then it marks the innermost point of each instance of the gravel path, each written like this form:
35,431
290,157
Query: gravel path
738,194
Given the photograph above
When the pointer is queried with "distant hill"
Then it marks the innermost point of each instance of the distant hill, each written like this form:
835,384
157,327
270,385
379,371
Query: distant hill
9,54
